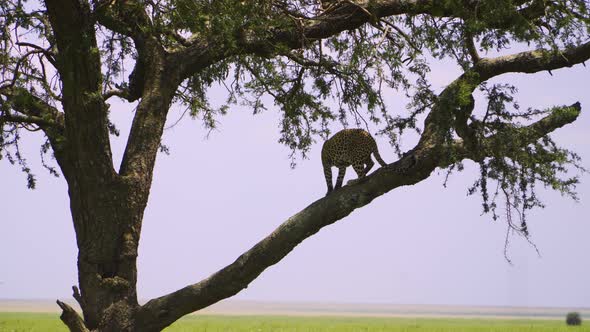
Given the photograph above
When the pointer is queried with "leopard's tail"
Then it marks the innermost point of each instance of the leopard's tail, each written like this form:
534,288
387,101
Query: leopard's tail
378,156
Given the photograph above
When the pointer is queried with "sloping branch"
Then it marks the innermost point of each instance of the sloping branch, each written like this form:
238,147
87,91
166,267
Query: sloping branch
559,117
514,137
130,18
150,117
422,160
124,17
163,311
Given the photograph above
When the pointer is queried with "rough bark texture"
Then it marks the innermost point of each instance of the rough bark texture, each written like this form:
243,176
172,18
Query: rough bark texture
107,206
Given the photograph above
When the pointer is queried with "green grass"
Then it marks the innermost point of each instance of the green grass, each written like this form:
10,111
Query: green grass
26,322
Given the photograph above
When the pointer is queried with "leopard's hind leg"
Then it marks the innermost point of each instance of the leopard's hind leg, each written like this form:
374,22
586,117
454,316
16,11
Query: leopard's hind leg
359,168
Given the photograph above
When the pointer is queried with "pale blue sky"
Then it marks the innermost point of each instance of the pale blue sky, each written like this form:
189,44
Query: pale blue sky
214,198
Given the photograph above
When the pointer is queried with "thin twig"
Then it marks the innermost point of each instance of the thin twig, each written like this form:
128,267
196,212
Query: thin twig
404,35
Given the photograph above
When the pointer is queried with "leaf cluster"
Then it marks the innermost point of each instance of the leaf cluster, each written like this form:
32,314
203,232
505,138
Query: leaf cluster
344,80
24,64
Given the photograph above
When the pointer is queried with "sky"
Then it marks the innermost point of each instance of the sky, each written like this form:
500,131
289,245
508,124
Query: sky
216,195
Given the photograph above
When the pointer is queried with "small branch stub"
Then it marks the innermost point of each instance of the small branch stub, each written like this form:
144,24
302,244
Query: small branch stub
71,318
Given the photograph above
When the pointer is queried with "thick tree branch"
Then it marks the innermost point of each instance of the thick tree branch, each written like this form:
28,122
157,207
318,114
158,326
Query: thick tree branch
124,17
150,117
348,15
163,311
129,18
417,165
79,66
71,318
532,61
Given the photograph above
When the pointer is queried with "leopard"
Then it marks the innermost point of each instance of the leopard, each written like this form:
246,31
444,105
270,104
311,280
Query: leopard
349,147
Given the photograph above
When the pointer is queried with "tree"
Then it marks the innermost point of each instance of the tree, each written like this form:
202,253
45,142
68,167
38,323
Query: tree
573,319
62,60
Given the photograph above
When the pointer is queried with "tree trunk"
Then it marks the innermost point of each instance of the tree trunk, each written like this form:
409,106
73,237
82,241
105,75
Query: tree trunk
107,211
107,215
108,224
107,207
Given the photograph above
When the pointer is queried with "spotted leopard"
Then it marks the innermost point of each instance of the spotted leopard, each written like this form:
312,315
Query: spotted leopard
349,147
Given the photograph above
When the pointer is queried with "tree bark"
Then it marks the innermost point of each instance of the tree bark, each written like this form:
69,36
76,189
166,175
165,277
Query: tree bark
107,207
108,212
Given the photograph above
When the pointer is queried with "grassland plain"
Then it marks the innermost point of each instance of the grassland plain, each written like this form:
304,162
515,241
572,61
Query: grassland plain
49,322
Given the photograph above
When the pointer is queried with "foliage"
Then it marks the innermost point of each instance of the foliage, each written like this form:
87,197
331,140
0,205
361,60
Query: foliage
355,71
512,175
573,319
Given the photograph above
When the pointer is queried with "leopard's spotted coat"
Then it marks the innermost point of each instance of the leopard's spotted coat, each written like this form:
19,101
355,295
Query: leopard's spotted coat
349,147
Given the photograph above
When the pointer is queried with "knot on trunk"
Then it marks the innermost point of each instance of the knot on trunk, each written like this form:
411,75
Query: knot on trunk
116,283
